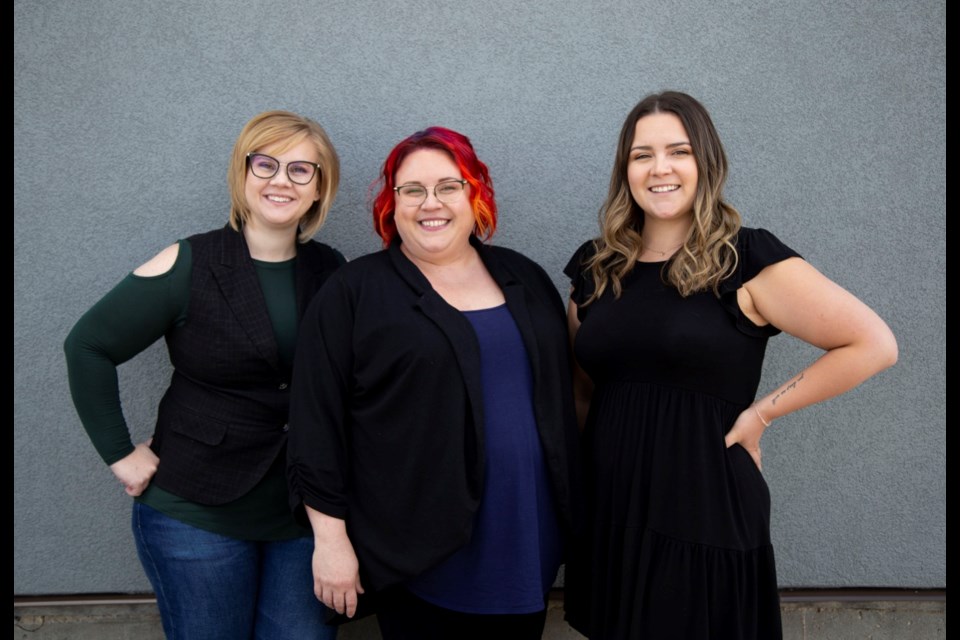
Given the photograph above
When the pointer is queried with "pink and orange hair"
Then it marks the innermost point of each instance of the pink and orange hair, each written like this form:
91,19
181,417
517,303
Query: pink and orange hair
475,172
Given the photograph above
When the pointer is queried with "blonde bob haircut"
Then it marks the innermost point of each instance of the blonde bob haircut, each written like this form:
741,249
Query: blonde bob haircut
709,254
284,130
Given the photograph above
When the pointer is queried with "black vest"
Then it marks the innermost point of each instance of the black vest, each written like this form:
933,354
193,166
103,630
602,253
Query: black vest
223,420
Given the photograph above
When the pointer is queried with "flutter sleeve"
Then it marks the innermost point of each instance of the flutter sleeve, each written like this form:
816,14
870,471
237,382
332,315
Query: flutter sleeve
581,280
756,250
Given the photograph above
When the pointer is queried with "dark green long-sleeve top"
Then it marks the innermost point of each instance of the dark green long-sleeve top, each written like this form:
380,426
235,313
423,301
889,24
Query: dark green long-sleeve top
130,318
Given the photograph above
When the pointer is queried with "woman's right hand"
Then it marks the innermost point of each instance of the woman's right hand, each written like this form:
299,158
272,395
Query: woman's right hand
336,570
136,469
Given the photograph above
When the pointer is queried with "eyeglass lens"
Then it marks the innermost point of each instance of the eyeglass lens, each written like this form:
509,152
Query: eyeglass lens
446,192
264,166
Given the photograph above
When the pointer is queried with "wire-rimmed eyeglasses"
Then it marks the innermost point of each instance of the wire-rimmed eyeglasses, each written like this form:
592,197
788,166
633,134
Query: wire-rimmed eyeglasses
299,171
447,192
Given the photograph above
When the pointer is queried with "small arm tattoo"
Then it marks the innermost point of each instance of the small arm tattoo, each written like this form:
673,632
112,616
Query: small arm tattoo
787,388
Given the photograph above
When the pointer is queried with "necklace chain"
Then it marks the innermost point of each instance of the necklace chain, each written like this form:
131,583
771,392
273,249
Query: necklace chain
662,253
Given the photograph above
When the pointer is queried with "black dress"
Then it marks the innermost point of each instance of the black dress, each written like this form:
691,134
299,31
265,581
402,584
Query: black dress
678,542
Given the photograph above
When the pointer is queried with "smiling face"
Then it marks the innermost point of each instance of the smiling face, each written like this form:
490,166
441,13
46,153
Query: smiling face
277,203
433,231
662,171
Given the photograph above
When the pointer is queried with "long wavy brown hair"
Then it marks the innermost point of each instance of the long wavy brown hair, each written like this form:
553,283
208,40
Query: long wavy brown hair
708,254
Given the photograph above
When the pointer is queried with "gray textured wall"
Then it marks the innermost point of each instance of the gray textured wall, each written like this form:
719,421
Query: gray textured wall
833,114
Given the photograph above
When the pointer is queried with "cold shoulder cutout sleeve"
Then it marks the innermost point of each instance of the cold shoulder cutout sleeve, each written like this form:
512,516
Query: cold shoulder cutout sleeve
756,250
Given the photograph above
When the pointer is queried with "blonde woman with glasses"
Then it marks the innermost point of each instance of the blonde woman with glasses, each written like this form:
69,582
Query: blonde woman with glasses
213,530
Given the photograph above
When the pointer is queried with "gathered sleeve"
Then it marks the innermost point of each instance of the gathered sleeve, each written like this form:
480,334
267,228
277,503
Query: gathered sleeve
756,250
318,444
581,279
129,318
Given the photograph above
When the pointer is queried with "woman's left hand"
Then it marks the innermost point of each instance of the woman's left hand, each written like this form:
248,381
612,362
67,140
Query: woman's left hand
747,431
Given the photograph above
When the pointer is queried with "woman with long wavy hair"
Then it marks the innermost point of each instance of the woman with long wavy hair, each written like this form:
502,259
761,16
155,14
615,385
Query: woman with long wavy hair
670,311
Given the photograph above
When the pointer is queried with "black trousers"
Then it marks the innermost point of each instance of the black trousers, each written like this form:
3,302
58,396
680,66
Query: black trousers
404,616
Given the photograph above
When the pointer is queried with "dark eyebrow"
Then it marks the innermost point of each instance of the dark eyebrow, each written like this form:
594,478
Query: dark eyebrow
669,146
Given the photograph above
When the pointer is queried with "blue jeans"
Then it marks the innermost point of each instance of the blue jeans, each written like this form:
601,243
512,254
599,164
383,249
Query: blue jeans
211,586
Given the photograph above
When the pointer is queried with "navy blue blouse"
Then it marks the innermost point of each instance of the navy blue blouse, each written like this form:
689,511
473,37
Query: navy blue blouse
513,557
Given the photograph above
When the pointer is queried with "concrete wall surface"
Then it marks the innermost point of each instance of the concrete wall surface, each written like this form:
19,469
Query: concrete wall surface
833,115
803,619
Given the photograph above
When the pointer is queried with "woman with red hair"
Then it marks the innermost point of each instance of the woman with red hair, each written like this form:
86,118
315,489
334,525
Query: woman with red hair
432,426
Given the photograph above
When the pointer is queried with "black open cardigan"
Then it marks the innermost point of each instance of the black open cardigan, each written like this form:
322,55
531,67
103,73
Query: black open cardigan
386,424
